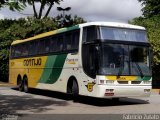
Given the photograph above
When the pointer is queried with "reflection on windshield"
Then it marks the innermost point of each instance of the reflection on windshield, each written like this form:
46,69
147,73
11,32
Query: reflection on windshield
139,60
125,60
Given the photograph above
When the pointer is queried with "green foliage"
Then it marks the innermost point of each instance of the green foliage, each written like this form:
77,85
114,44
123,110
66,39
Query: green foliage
152,25
19,29
4,63
43,4
68,20
150,7
12,4
23,28
151,21
153,28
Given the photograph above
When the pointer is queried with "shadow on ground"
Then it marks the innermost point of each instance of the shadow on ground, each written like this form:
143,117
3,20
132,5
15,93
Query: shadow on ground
12,103
89,100
110,102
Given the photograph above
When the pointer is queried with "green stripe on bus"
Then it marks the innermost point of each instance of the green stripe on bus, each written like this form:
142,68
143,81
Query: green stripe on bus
144,78
68,29
53,69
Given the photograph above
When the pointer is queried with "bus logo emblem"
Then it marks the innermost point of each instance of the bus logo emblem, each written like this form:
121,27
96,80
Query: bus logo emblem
90,86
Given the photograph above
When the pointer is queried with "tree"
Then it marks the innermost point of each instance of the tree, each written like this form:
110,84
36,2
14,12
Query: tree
43,3
150,7
153,30
23,28
151,21
68,20
12,4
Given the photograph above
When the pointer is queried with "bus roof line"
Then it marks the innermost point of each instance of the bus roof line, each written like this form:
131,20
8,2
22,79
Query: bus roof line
113,24
61,30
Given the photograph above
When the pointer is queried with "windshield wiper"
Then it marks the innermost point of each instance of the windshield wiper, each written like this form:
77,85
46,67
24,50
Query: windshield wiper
140,71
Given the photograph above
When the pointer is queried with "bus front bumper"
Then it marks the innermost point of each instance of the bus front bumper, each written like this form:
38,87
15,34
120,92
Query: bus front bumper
123,91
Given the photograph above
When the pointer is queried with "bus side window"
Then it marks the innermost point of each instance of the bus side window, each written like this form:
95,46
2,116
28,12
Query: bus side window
47,45
32,48
40,46
68,41
24,49
60,43
53,44
89,34
75,40
17,51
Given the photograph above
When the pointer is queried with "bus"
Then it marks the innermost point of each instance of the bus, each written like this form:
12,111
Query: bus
96,59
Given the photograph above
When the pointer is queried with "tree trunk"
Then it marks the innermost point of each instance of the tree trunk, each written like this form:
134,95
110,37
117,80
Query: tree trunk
34,9
49,9
41,9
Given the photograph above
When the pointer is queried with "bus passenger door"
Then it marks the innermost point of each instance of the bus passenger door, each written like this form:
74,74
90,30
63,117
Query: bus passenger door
90,65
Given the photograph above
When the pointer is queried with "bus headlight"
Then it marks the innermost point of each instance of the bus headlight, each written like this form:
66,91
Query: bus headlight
147,90
146,82
102,82
109,82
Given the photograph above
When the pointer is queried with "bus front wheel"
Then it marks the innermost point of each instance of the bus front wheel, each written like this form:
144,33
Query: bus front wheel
20,84
75,90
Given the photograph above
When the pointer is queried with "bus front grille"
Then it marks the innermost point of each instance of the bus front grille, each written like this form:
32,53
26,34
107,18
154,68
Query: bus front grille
136,82
122,82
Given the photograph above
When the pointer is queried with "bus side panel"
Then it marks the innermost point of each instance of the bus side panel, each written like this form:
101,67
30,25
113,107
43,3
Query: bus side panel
30,67
64,66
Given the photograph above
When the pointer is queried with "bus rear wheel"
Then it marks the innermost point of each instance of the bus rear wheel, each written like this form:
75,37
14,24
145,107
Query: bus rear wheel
25,85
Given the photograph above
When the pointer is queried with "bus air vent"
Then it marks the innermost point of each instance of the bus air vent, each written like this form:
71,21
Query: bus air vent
136,82
122,82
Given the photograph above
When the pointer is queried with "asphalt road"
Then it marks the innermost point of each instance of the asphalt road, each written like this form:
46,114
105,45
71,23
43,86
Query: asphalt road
48,102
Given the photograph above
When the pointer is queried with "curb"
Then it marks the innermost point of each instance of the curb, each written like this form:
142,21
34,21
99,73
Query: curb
156,90
5,84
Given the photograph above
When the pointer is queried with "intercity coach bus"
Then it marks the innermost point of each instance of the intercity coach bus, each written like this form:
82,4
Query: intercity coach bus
98,59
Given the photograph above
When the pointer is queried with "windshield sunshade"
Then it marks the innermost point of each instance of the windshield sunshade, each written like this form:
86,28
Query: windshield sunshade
107,33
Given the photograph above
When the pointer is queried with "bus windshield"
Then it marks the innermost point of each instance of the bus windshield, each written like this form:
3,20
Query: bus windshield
107,33
119,59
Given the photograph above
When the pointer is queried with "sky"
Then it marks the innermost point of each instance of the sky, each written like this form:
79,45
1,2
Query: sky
92,10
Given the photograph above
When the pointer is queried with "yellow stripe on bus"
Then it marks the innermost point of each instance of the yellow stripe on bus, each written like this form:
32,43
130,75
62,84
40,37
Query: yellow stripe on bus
32,67
127,78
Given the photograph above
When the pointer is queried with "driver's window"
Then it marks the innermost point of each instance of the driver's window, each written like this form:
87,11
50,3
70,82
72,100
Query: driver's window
90,59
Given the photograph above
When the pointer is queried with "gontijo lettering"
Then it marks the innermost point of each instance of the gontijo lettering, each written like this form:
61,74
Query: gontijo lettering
32,62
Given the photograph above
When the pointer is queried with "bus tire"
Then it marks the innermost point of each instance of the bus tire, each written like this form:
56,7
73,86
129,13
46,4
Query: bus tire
20,84
115,100
75,91
25,84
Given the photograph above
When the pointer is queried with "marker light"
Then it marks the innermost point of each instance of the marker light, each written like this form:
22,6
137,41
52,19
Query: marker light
109,82
146,82
101,81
